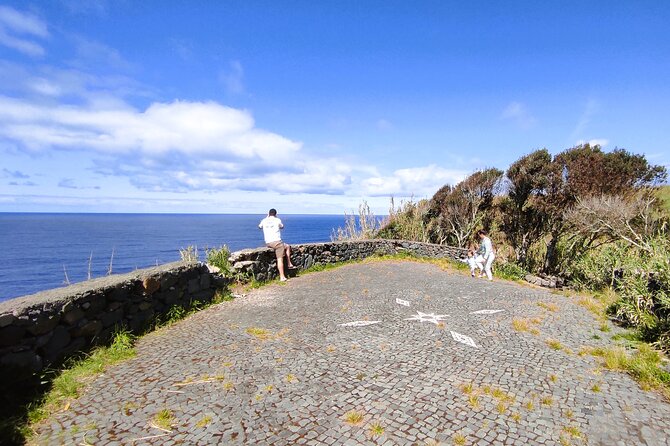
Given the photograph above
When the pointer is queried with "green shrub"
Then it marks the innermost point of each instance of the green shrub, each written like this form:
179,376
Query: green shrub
510,271
220,258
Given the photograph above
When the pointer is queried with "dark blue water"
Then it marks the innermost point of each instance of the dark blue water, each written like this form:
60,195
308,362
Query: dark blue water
37,249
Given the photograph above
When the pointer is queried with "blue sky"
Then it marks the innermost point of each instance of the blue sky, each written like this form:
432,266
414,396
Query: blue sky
312,107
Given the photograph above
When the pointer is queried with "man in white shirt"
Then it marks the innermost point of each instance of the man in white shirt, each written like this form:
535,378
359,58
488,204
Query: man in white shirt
487,255
271,225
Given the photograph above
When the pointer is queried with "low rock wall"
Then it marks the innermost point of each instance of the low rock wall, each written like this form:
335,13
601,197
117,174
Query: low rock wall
262,264
44,328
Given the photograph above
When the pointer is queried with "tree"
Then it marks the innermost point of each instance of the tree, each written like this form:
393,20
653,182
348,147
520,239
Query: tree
459,210
523,217
586,171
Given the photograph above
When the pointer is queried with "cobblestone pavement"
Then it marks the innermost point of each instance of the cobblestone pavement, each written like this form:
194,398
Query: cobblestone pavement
276,367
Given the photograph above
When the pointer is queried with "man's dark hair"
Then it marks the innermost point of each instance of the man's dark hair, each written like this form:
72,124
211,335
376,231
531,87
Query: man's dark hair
273,212
481,232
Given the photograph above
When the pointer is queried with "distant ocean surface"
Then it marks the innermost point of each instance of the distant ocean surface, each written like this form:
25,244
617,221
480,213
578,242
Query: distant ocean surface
37,249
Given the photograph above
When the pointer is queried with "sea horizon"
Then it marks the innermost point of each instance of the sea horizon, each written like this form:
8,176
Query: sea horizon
46,250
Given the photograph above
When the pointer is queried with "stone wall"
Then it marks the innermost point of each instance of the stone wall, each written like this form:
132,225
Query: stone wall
44,328
262,264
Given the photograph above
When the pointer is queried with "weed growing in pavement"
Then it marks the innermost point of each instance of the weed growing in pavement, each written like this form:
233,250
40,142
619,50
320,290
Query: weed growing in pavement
459,439
353,417
546,401
376,430
164,419
204,421
520,325
548,307
554,344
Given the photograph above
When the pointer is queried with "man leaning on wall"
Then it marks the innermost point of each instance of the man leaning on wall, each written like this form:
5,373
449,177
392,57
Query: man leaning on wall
271,226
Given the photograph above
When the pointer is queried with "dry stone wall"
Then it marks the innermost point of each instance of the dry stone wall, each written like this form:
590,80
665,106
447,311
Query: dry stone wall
44,328
262,264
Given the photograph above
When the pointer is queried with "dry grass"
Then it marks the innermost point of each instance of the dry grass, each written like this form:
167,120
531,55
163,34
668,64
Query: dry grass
548,306
554,344
353,417
520,325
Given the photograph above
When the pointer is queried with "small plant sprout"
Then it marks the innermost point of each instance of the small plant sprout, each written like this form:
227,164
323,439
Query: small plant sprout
228,385
569,414
353,417
595,388
516,417
520,325
290,378
529,405
269,388
548,307
473,401
258,333
553,378
376,430
204,421
534,331
547,401
554,344
459,439
573,431
467,388
164,419
502,407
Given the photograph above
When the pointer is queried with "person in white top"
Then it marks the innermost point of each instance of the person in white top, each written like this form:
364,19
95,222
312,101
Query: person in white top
271,226
474,260
487,255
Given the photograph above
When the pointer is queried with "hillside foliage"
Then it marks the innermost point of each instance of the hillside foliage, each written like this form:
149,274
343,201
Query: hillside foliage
598,219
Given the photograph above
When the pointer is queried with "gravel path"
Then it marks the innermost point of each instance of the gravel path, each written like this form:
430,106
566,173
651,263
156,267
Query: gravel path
277,367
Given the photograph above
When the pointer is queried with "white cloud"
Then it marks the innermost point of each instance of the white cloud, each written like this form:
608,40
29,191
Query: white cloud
15,25
519,114
418,181
233,78
188,127
602,142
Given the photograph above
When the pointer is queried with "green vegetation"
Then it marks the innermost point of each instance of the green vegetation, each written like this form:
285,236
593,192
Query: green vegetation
164,419
645,365
219,257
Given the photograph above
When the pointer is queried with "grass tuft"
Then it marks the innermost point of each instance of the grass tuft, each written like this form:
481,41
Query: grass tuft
164,419
376,430
204,421
520,325
554,344
353,417
459,439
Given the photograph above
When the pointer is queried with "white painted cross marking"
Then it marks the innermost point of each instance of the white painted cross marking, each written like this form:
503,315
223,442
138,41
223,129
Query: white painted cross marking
486,311
358,323
402,302
427,317
467,340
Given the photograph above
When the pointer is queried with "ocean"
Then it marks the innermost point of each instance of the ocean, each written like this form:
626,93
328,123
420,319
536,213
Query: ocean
39,250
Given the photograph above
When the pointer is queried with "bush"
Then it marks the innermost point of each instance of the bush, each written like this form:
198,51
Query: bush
641,279
220,258
510,271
